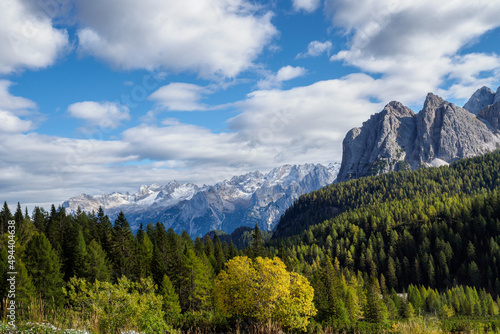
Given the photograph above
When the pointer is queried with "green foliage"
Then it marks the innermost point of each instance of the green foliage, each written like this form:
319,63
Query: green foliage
171,305
99,267
125,305
263,290
381,254
44,269
467,176
196,283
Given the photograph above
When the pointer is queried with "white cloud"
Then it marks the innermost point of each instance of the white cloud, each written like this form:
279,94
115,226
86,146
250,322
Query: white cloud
306,5
28,37
416,43
10,102
12,108
104,114
285,73
179,96
11,123
306,123
209,37
315,49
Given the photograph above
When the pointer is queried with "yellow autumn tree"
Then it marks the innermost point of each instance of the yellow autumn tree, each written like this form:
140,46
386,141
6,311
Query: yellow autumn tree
263,290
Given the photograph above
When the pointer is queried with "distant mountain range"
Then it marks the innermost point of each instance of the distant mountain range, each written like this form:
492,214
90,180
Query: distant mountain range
398,139
394,139
241,201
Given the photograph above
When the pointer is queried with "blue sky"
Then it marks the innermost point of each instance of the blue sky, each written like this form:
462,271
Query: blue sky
105,95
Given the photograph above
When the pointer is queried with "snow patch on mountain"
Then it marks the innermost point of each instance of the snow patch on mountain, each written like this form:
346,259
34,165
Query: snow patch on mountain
241,201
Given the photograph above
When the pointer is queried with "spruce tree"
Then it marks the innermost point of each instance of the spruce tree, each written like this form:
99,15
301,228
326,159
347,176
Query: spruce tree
122,246
171,305
99,267
257,244
18,216
375,309
5,216
44,267
80,265
196,283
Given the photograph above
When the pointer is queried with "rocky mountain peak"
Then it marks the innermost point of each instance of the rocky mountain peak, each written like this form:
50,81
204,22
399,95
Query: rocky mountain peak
433,102
491,115
241,201
398,139
397,109
483,97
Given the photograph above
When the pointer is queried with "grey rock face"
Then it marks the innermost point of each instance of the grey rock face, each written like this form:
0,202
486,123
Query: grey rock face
380,144
397,139
483,97
497,96
491,116
241,201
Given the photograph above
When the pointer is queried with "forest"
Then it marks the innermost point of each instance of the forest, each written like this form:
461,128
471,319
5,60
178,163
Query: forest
404,252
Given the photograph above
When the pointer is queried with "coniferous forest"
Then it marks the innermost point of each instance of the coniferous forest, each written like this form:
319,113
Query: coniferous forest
404,252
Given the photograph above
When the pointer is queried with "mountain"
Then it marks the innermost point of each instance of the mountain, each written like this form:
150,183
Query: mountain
433,226
465,177
398,139
241,201
483,97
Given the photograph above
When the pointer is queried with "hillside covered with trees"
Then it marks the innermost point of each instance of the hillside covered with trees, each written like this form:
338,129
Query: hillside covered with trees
406,252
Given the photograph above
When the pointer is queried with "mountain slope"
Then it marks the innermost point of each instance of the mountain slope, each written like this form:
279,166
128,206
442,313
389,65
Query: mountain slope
438,240
470,177
398,139
241,201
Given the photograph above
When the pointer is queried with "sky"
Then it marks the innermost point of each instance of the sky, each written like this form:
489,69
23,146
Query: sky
99,96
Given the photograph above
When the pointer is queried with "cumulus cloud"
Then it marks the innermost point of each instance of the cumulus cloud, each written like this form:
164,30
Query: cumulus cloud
414,42
12,108
178,96
28,38
308,6
285,73
306,123
315,49
11,123
208,37
103,114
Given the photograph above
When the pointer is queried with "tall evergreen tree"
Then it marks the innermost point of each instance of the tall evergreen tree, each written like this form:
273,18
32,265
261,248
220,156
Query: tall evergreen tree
196,283
44,267
171,305
99,267
375,309
122,246
5,216
257,243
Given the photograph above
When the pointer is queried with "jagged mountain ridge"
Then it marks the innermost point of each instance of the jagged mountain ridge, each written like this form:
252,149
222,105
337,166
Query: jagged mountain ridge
398,139
241,201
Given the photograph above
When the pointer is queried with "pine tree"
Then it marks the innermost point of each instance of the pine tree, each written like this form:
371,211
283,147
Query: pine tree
79,260
257,244
171,305
18,216
196,283
104,230
122,246
144,255
5,216
375,309
40,219
44,267
99,267
25,290
219,255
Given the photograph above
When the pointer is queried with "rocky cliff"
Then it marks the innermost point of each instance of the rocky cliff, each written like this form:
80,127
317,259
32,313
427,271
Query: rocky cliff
398,139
